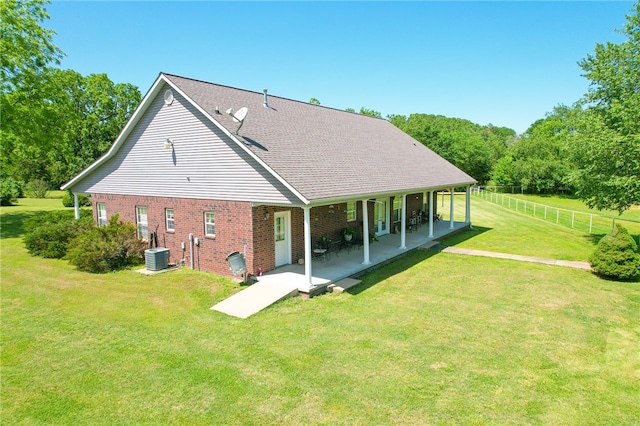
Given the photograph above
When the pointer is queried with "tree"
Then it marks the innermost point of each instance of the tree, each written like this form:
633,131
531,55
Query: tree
471,147
537,161
55,132
314,101
26,48
370,112
606,146
366,111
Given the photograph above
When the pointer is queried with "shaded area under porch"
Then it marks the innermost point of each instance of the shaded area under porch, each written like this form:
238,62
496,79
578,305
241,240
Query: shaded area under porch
349,262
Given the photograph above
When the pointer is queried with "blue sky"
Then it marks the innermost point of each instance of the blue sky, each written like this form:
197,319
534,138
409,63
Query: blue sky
505,63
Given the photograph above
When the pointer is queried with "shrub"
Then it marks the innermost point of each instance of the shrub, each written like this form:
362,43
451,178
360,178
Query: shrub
10,190
48,235
83,200
616,256
37,188
107,248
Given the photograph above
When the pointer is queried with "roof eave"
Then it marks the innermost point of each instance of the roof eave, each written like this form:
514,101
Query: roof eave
343,199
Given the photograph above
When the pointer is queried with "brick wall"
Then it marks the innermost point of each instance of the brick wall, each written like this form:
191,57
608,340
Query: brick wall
328,221
239,227
233,227
264,239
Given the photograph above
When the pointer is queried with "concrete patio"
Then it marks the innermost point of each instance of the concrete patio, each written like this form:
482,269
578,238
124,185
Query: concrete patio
347,263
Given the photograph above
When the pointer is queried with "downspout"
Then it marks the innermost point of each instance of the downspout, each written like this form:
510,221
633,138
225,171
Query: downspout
191,250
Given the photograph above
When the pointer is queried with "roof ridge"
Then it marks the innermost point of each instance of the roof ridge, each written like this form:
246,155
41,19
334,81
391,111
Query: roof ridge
210,83
270,95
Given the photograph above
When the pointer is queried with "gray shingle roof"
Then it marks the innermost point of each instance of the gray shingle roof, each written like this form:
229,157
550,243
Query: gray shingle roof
326,153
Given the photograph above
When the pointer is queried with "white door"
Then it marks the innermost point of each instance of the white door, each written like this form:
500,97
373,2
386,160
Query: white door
282,237
381,216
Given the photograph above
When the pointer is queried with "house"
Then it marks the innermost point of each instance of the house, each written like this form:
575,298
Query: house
213,170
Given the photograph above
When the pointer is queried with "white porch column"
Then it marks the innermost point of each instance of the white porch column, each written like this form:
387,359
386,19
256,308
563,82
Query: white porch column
467,215
451,209
76,206
307,246
403,223
430,214
365,232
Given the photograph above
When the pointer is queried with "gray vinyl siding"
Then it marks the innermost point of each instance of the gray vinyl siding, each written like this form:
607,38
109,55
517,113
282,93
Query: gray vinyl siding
204,164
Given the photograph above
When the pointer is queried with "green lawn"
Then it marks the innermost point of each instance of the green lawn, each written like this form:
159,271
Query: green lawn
433,338
499,229
565,211
572,203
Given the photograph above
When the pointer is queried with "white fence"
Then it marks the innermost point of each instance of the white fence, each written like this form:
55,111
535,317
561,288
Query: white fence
590,223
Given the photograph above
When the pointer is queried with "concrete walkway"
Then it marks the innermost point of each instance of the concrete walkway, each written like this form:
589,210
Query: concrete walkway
256,297
471,252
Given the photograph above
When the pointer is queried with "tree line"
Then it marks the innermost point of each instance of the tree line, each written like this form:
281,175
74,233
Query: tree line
56,122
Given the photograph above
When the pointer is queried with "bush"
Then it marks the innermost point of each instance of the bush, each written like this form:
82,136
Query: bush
616,257
83,200
107,248
37,188
10,190
48,235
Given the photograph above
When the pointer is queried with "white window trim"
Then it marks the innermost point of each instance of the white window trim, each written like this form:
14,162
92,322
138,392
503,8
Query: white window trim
206,224
143,233
170,220
354,211
102,219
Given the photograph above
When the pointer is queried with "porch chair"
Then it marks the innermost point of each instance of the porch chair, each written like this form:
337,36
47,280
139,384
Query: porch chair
335,246
413,221
320,250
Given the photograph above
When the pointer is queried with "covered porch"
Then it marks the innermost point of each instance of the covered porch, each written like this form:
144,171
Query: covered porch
348,262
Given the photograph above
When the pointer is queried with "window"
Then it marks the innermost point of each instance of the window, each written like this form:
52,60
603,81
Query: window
209,224
141,220
102,214
351,211
397,209
280,229
171,224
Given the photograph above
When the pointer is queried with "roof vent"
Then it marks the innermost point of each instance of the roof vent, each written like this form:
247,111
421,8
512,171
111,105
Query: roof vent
266,104
168,97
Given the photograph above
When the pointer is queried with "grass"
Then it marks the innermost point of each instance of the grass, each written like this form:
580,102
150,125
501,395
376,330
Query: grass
567,211
573,203
502,230
433,338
